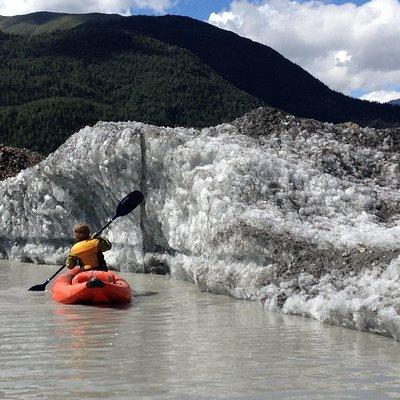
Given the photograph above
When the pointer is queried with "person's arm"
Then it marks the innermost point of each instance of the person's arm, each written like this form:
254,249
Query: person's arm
104,244
71,261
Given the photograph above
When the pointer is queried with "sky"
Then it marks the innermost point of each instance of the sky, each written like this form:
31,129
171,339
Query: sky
351,46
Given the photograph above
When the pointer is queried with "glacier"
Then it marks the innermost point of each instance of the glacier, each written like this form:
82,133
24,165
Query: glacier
301,215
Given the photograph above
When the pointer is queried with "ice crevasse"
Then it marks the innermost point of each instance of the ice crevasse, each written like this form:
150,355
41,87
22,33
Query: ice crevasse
302,215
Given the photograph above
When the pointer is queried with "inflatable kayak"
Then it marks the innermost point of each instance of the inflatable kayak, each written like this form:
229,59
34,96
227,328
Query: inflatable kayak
91,287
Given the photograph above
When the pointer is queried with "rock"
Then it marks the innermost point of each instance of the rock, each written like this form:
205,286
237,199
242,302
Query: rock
361,247
13,160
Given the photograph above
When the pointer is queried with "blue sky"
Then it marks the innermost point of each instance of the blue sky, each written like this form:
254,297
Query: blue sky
201,9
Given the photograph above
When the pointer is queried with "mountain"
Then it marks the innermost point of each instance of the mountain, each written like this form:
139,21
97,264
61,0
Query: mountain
260,71
299,214
54,83
44,22
394,102
167,70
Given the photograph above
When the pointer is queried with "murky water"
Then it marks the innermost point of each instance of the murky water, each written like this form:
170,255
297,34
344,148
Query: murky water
175,342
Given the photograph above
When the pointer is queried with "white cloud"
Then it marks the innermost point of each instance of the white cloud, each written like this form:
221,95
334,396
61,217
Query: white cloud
381,96
346,46
18,7
342,57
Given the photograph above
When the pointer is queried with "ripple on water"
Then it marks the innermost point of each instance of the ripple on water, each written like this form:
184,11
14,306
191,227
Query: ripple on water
180,343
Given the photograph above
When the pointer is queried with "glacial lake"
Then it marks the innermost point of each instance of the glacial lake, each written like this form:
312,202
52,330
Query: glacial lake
175,342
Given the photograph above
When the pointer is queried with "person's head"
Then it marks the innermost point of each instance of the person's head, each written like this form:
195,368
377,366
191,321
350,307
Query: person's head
81,232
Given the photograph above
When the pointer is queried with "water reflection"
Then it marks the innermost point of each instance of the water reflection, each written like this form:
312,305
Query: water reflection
89,326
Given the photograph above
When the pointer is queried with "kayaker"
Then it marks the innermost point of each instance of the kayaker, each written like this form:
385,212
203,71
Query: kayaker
87,252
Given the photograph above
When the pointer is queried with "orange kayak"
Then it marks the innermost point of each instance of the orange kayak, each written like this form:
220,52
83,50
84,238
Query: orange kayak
91,287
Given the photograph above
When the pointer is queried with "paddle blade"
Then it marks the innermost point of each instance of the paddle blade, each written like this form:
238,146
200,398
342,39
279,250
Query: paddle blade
129,203
42,287
38,288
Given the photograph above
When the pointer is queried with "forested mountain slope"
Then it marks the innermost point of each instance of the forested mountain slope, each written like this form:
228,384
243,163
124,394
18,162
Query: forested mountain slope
53,84
167,70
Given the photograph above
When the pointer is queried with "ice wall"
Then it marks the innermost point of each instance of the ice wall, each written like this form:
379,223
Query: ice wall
82,181
300,214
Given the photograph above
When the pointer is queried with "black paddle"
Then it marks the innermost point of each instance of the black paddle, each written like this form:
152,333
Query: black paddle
126,205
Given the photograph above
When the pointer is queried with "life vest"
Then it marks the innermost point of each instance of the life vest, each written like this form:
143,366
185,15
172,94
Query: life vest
86,251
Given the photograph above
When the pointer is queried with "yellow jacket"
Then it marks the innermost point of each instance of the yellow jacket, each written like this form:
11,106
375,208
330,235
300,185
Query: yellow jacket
88,254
